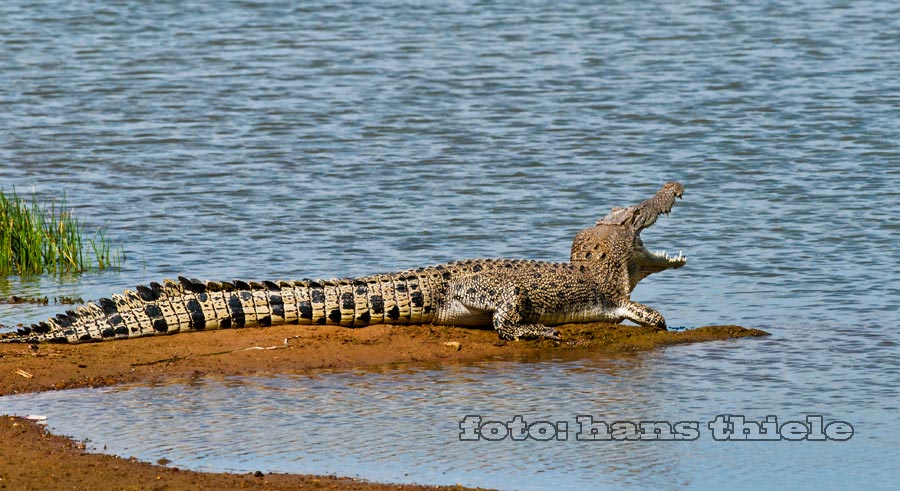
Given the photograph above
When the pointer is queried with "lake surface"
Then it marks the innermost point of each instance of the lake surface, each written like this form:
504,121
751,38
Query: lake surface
280,141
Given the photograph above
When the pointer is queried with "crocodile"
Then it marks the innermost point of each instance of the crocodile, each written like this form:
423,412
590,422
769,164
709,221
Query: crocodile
521,299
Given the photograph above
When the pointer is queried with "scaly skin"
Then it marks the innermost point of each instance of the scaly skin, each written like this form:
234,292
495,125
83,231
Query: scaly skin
520,299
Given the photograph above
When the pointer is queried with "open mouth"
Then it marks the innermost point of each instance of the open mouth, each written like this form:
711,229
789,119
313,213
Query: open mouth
656,260
650,261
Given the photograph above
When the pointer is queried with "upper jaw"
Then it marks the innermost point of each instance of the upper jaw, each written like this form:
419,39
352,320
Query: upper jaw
646,213
649,211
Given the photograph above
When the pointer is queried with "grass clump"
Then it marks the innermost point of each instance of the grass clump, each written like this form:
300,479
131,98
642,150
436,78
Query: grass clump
37,239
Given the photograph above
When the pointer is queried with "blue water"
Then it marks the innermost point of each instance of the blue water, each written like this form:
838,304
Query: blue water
282,141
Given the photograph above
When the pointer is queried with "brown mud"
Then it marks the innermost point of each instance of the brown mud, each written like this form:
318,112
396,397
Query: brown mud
33,459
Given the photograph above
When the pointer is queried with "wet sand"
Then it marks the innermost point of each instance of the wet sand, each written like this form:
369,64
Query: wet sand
33,459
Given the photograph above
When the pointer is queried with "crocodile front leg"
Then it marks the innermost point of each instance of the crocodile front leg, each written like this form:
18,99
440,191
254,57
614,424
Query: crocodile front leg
642,314
508,319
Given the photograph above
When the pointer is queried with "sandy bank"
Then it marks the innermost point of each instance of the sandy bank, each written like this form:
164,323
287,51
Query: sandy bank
31,458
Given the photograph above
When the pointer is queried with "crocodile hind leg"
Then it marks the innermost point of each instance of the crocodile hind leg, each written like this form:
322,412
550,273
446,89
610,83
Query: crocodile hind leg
508,319
642,315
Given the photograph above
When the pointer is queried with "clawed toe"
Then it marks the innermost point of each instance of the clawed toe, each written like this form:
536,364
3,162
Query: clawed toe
530,331
552,334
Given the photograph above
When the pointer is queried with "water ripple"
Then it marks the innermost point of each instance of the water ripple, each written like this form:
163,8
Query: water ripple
282,140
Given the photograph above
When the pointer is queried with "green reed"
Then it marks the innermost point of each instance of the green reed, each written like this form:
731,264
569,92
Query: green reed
37,239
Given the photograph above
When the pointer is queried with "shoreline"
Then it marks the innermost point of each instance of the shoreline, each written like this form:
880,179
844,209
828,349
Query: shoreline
24,462
42,461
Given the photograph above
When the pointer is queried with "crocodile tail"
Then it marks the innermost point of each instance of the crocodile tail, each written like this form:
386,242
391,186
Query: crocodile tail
185,305
193,305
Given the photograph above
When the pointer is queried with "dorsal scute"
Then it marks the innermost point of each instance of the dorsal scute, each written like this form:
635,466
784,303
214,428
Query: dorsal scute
158,290
108,306
192,285
185,283
198,286
131,296
119,299
147,294
173,288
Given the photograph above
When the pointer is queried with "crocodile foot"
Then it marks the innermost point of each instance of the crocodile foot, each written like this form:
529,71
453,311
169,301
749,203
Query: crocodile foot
528,331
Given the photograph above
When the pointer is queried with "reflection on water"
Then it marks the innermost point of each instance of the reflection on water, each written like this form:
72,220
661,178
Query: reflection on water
280,140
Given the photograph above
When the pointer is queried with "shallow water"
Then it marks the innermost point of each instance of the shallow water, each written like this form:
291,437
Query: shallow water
264,141
403,423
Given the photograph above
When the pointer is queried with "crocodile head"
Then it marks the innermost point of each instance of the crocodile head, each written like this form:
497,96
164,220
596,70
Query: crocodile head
614,249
